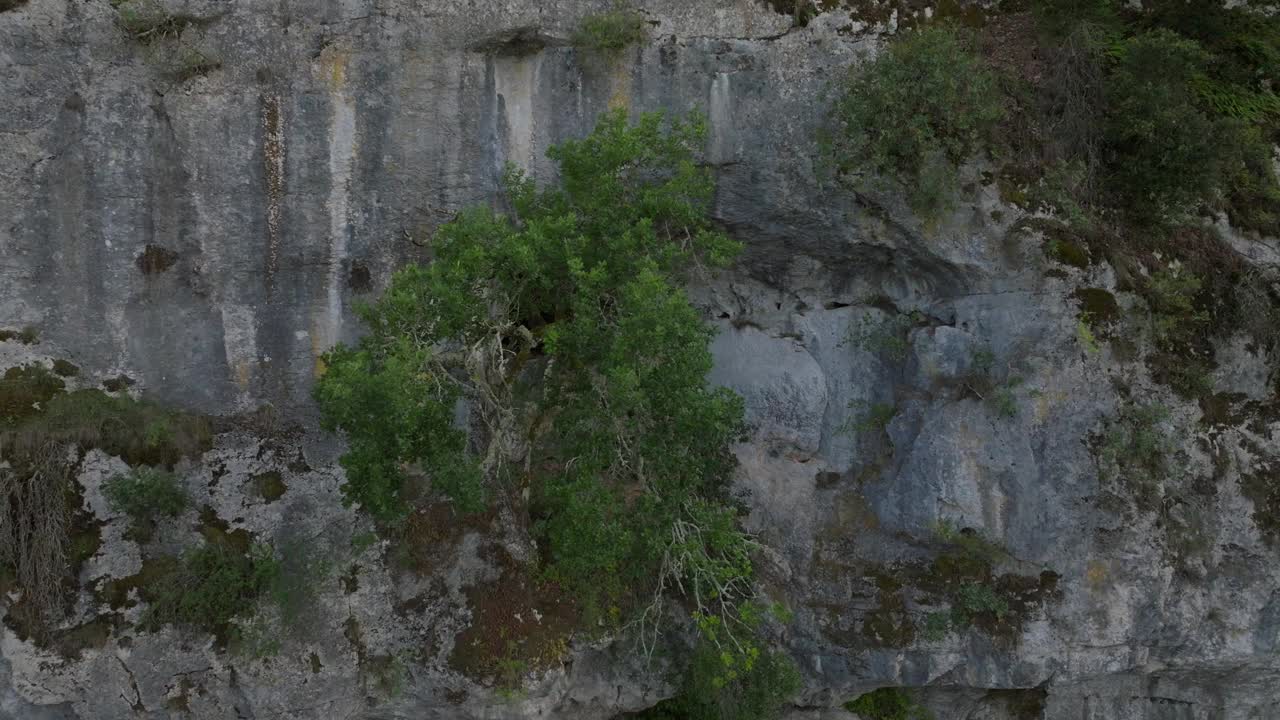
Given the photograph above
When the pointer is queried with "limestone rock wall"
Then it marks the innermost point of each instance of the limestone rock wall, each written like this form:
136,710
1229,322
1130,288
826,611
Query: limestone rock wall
208,237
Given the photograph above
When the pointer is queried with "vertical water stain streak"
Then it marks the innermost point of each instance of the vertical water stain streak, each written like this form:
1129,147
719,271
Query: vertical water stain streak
273,172
514,81
722,149
342,153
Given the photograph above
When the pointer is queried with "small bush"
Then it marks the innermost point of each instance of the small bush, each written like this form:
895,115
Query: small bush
975,598
189,61
1172,294
1165,153
973,544
890,337
139,431
27,335
1086,337
1257,307
211,585
874,419
982,380
1136,449
887,704
24,391
610,32
1060,18
916,113
720,684
145,494
147,21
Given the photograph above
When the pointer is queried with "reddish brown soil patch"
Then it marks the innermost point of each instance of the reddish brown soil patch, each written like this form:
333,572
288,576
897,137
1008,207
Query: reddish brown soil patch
430,537
519,625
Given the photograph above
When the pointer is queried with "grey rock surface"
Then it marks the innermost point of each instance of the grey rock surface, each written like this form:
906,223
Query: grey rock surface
208,238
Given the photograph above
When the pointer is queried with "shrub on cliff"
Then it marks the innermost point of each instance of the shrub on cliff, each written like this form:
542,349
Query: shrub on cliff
610,32
915,113
550,359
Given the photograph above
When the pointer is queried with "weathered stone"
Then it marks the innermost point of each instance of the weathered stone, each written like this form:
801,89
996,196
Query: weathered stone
207,239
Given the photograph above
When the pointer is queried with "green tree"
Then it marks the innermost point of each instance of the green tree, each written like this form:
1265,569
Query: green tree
915,113
1164,149
550,354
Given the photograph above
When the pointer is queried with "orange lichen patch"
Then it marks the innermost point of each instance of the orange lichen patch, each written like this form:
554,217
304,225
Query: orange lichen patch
1096,574
519,625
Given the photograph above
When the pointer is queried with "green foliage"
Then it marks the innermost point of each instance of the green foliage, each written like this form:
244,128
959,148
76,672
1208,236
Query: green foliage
975,598
1136,448
27,335
1245,45
1086,337
973,544
139,431
937,625
1059,18
916,113
210,586
1004,399
875,419
752,684
887,704
24,390
982,380
970,600
889,337
582,366
147,21
1165,153
396,409
1184,92
610,32
1172,294
145,494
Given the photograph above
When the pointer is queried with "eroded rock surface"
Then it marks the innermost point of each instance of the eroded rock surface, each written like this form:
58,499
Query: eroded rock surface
906,385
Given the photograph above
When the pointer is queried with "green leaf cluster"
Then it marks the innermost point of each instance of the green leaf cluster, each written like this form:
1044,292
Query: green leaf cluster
887,704
1188,111
610,32
1137,449
210,585
915,113
146,493
578,289
726,679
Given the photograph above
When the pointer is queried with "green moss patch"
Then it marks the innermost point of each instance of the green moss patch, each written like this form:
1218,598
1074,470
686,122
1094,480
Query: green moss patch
140,432
120,383
65,369
217,531
887,704
269,486
93,635
1098,305
23,390
26,336
1263,488
119,593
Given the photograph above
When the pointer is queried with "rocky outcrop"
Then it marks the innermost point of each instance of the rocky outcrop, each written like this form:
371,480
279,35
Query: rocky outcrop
929,428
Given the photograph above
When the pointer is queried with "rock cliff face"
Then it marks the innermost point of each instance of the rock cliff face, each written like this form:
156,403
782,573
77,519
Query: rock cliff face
928,420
